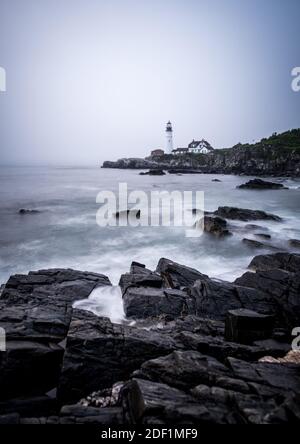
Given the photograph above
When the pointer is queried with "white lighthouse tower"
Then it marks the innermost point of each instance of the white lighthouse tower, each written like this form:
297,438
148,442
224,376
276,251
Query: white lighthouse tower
169,135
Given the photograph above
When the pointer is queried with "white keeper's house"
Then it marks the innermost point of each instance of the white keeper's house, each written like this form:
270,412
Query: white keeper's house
195,147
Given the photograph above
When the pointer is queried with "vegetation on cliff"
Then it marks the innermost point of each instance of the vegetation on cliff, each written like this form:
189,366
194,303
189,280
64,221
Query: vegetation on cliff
276,155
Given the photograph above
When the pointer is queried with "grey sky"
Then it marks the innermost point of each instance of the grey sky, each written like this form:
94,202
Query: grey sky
89,80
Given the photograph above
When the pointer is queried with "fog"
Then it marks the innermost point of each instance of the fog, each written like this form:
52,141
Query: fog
94,80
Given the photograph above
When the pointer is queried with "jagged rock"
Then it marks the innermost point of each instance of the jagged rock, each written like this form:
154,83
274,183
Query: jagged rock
38,306
214,298
53,285
245,214
182,369
176,275
146,402
259,184
214,225
285,377
99,353
283,287
246,326
36,312
141,303
283,261
140,276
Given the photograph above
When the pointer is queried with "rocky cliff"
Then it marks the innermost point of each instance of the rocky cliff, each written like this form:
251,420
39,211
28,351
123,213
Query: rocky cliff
278,155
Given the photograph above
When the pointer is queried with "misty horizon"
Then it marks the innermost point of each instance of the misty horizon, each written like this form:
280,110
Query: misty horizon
88,82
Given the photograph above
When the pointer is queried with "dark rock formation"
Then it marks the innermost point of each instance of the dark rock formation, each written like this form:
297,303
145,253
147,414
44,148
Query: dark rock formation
263,236
36,311
215,226
259,184
258,245
246,326
99,353
24,211
200,351
176,275
153,173
245,214
283,261
128,213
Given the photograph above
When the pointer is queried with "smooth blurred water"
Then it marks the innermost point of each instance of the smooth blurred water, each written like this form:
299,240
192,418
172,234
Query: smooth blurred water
65,233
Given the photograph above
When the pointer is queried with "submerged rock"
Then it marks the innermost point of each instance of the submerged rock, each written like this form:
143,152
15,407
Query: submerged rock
259,184
153,173
215,226
24,211
256,244
245,214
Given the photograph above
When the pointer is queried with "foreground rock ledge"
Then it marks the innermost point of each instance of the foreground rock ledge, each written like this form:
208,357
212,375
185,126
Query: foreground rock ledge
180,363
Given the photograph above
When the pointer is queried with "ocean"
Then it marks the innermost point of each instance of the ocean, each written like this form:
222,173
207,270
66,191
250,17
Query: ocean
64,233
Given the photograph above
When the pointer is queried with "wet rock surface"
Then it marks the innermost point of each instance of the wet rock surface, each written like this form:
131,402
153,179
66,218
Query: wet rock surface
199,350
245,214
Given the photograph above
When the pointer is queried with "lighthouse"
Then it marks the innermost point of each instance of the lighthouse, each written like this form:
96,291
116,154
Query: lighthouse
169,135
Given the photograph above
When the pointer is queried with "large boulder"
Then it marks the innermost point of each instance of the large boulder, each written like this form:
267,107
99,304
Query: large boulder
51,285
176,275
246,326
283,261
36,311
259,184
29,368
99,353
245,214
183,369
214,298
141,303
284,289
214,225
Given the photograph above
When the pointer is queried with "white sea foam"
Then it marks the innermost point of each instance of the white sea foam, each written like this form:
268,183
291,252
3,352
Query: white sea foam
104,302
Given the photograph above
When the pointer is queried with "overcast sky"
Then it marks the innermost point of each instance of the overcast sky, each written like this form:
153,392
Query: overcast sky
89,80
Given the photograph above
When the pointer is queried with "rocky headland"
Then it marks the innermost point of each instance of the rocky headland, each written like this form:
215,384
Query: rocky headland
278,155
197,350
